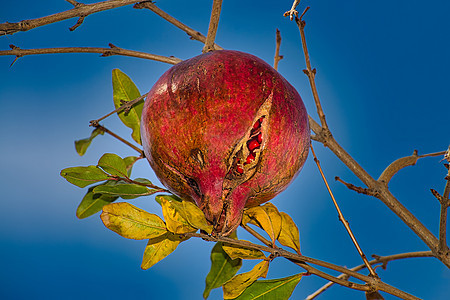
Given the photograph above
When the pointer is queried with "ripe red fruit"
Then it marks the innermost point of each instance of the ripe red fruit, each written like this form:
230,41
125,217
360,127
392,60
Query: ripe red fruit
199,121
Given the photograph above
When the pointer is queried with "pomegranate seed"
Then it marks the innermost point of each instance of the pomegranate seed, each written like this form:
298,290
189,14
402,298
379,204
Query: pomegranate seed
259,138
239,169
250,159
253,144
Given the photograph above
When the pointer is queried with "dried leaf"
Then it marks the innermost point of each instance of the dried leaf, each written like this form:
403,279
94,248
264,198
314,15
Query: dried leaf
289,235
223,268
234,252
280,289
84,176
131,222
236,285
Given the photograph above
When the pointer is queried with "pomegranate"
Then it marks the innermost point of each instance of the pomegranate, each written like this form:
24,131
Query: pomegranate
225,130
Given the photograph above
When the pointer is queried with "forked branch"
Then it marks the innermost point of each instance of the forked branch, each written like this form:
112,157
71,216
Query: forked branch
323,135
78,11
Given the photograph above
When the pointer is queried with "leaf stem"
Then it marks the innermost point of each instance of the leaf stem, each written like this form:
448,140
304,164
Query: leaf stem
104,129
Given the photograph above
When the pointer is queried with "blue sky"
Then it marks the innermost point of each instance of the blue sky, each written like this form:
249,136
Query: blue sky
383,79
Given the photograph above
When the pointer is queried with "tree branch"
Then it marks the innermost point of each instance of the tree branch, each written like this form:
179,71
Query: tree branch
371,282
79,11
378,259
277,56
323,135
113,50
213,25
194,34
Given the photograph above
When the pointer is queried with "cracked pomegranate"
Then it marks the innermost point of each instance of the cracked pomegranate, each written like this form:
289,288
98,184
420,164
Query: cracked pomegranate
225,130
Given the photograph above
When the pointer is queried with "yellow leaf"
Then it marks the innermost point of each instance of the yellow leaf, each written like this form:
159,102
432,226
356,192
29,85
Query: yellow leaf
266,217
132,222
289,235
234,252
236,285
175,222
195,216
158,248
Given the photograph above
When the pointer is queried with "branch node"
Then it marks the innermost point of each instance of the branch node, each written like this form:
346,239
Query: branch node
78,24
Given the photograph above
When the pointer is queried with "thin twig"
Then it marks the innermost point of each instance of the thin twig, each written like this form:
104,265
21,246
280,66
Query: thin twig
213,25
126,107
311,73
257,235
342,219
445,203
277,56
372,283
119,138
194,34
378,259
355,188
79,10
113,50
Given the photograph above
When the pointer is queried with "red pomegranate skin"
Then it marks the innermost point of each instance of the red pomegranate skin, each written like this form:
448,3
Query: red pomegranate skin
225,130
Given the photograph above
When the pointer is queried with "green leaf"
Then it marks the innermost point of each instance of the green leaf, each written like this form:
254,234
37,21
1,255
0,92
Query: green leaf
244,253
125,90
158,248
129,163
280,289
131,222
113,164
223,268
84,176
124,190
159,198
93,203
289,235
82,145
236,285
